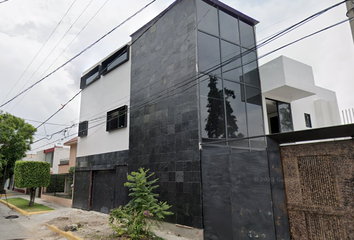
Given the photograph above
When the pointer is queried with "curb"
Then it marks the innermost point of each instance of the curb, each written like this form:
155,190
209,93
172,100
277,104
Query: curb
22,211
63,233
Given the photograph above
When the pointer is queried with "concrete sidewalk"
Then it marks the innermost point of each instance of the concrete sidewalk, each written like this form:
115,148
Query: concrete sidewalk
24,227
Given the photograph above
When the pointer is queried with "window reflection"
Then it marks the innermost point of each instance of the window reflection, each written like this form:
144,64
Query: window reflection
215,119
231,71
286,124
207,18
229,28
250,70
247,35
235,110
208,53
254,111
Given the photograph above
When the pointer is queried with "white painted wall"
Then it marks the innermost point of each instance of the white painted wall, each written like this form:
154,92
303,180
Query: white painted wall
287,80
105,94
60,153
41,156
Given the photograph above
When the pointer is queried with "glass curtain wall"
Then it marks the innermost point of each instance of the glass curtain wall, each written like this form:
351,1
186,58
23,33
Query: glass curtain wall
230,95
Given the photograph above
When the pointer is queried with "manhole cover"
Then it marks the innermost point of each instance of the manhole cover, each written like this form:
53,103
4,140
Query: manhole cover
11,217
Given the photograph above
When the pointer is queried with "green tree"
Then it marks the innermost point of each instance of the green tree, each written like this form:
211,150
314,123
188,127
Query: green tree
16,137
32,174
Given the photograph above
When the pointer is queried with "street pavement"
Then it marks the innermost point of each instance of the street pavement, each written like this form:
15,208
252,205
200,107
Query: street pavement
24,227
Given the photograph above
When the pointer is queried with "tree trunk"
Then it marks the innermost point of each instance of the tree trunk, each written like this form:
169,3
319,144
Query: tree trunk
32,196
2,181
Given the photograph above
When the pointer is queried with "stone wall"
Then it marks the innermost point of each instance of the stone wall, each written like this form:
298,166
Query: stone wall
319,183
164,133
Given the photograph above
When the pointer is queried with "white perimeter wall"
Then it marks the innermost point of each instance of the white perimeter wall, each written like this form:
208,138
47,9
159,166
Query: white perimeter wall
105,94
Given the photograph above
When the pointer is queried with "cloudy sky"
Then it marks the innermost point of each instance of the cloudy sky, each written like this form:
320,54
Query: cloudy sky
30,49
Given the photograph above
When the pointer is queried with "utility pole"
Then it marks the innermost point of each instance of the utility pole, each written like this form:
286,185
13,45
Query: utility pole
350,14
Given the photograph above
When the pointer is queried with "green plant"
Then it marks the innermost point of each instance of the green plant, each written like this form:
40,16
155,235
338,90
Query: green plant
32,174
16,137
70,180
143,210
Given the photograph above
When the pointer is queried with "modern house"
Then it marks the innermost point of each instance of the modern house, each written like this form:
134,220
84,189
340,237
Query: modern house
55,156
183,99
291,99
161,97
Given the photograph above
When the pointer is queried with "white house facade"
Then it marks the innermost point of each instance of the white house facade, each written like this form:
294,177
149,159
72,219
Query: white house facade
105,96
291,99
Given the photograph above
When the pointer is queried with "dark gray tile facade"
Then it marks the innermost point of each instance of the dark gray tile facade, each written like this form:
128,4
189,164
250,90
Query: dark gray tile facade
164,112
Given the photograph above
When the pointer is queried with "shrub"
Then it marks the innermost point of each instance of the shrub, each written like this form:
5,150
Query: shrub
143,210
32,174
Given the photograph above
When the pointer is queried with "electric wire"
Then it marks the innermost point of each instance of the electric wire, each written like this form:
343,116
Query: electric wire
46,41
261,44
50,53
194,84
218,66
76,56
4,1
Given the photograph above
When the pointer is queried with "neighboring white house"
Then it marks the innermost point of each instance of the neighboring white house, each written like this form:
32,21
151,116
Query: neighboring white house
104,105
291,99
54,156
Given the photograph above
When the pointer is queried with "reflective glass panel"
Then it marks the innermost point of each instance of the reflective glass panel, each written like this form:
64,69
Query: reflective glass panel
250,70
117,61
235,110
247,35
208,53
212,118
254,111
92,77
232,70
207,18
229,28
258,143
211,87
284,111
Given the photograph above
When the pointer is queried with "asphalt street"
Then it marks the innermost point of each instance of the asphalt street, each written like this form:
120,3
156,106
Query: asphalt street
24,227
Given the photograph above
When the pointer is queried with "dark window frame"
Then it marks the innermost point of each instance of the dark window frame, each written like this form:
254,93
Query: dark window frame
83,129
278,114
106,63
84,78
113,123
308,122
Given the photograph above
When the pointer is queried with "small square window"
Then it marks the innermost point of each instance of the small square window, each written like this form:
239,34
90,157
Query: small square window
117,118
83,128
308,120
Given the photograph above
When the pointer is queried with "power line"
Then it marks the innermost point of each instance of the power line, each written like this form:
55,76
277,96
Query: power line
46,41
55,47
238,56
161,99
55,124
77,55
4,1
261,44
60,109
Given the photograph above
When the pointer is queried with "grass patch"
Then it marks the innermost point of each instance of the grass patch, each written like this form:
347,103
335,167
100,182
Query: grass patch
23,204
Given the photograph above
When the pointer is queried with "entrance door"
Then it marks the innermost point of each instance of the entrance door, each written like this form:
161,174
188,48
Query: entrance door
103,190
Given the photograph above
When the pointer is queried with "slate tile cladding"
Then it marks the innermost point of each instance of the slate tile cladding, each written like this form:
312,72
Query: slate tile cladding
164,135
103,159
